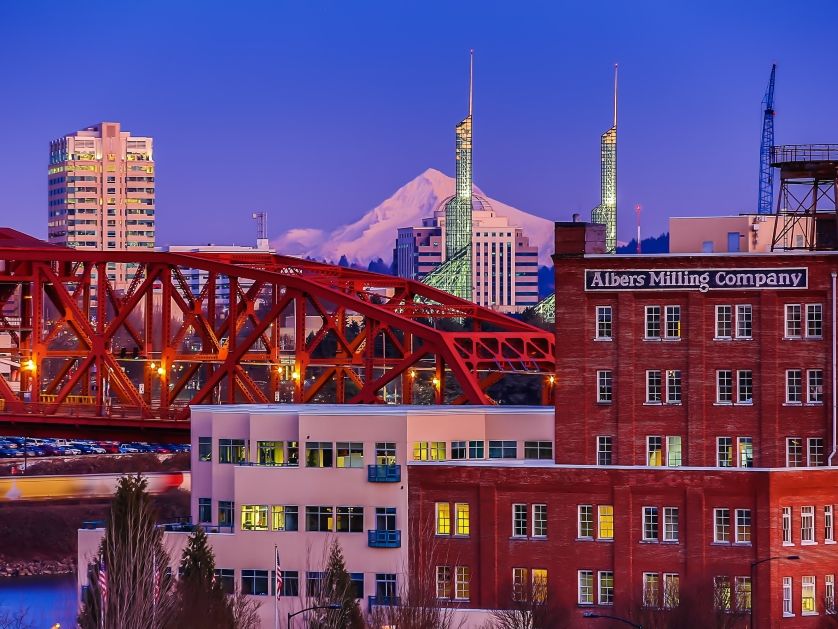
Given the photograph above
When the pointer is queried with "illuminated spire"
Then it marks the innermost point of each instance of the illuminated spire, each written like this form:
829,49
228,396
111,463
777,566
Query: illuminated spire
470,80
615,95
606,212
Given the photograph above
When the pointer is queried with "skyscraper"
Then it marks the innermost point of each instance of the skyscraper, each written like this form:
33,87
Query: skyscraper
101,193
606,212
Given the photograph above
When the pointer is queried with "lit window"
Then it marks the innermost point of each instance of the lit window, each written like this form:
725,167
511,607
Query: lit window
461,509
807,595
807,525
462,578
443,518
743,526
654,451
743,593
519,520
673,451
794,386
350,454
319,454
284,517
671,524
721,519
254,518
539,585
744,321
671,590
651,589
605,522
604,448
787,526
586,587
724,323
429,451
539,520
745,446
385,453
604,324
604,386
585,522
650,524
606,587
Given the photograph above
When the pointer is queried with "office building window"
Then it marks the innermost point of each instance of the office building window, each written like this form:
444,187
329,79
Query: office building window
815,451
604,388
742,588
651,589
671,590
673,386
787,608
205,448
673,451
204,509
290,583
807,525
724,386
254,518
829,593
319,454
270,452
744,386
654,451
231,451
519,584
320,518
671,524
787,526
385,453
604,323
227,578
650,524
314,584
814,388
385,586
285,517
745,447
461,510
606,587
604,449
724,322
586,587
540,450
519,520
539,585
443,518
673,322
807,596
503,449
793,321
605,522
459,451
794,452
794,386
653,387
539,520
722,593
462,579
429,451
653,322
477,449
721,529
385,518
585,522
744,321
350,520
225,513
814,320
443,581
743,526
255,582
350,454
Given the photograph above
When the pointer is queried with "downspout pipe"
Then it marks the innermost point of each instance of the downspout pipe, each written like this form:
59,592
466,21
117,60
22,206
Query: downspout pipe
834,393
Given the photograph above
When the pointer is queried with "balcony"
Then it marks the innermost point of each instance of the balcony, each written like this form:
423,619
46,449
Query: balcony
384,539
383,601
384,473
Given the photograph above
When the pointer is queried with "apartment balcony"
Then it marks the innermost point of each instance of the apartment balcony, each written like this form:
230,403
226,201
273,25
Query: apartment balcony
384,539
384,473
383,601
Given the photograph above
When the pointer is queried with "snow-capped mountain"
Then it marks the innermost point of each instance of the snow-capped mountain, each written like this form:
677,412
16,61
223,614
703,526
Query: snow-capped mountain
374,234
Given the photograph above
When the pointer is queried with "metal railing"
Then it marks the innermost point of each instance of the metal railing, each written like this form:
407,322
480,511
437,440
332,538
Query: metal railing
384,539
384,473
804,153
383,601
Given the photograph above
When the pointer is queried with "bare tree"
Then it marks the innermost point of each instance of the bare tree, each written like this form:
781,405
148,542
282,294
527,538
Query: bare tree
15,619
245,611
710,606
530,606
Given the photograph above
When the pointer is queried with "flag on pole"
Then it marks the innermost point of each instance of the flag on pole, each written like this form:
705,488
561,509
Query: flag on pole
103,581
156,580
278,573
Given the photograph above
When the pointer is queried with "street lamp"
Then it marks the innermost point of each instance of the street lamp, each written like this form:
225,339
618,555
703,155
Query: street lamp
754,564
308,609
617,618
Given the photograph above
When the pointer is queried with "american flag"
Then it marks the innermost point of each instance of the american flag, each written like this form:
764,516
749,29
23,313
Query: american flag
103,581
156,581
278,574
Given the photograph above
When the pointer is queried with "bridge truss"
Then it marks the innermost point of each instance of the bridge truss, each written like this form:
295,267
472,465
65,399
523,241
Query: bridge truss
238,328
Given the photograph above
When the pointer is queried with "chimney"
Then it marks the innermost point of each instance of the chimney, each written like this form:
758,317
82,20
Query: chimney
576,238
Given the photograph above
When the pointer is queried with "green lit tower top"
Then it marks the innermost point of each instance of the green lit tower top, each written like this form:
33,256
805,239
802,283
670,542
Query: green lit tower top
459,207
606,212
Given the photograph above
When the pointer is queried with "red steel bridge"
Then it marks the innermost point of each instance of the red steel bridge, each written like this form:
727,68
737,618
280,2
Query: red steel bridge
82,355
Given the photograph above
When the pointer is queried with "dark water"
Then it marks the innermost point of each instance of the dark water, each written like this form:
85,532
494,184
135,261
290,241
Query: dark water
47,600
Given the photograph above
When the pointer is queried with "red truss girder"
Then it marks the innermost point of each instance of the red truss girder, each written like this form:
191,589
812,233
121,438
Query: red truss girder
289,330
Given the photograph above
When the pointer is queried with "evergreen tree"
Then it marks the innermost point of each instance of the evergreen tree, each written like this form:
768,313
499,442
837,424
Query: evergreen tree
201,601
135,585
336,589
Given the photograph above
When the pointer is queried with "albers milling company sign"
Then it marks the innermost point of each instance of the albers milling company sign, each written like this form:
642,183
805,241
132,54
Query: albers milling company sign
696,279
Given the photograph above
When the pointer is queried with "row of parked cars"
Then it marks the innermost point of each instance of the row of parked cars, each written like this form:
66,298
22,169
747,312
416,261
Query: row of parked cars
15,447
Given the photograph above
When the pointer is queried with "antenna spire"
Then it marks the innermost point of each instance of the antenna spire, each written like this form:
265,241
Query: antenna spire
470,79
615,94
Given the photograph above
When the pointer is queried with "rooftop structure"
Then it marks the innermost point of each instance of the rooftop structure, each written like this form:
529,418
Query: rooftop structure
606,212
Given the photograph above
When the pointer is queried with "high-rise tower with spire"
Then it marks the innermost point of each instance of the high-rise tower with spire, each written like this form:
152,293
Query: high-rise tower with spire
606,212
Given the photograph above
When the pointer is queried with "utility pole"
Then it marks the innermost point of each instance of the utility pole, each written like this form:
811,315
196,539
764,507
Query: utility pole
637,213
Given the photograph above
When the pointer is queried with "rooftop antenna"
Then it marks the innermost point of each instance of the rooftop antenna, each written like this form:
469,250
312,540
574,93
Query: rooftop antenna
470,79
615,94
637,212
261,219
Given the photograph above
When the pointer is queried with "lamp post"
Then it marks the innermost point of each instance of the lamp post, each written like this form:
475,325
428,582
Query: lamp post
617,618
754,564
308,609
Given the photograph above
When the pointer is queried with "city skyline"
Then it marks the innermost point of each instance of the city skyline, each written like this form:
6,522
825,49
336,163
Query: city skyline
299,117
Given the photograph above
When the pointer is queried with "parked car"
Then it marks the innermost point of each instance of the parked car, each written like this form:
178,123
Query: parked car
9,453
127,449
52,449
84,448
108,447
72,450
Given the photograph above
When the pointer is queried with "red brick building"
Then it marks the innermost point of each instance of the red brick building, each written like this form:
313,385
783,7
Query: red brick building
695,423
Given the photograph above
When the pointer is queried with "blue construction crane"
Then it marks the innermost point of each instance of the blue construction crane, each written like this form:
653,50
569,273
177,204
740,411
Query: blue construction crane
766,173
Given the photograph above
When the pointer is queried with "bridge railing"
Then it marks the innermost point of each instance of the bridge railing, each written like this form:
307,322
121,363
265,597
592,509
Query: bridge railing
85,406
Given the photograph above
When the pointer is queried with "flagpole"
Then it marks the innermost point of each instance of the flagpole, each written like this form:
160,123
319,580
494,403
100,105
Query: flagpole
276,592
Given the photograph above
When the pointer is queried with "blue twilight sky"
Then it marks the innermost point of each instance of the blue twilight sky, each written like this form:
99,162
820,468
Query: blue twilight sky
316,111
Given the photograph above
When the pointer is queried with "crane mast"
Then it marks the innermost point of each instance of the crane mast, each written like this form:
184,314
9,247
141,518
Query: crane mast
766,173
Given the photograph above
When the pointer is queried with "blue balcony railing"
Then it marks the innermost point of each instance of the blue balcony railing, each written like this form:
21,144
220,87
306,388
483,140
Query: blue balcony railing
383,601
384,473
384,539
